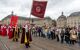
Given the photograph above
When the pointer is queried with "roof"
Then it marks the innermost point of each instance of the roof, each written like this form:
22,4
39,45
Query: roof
25,18
75,14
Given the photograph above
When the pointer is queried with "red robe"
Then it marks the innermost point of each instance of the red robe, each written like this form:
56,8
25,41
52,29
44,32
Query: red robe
4,31
0,29
10,31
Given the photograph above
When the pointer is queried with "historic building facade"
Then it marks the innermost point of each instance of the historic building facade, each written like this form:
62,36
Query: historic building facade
22,20
73,19
61,21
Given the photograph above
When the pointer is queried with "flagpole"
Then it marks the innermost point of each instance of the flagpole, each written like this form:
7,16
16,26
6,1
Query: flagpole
30,19
30,13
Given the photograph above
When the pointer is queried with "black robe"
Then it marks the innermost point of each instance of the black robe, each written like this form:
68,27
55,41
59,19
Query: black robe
15,33
18,32
28,35
23,36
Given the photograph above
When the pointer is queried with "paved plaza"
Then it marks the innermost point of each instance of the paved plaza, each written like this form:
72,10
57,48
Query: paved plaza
38,43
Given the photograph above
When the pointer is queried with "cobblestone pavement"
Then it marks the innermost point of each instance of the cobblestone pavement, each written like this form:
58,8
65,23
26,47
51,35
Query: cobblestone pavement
0,46
38,43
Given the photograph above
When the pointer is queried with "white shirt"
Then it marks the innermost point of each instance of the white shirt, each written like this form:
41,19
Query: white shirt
26,28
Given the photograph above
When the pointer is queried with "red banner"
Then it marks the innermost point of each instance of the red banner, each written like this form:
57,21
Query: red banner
38,8
14,20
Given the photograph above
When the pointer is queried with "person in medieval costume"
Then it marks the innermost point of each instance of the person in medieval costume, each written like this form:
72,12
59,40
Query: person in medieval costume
26,36
18,32
15,33
0,28
10,30
4,30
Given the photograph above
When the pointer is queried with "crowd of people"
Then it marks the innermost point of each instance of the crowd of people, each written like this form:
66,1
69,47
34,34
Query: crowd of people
14,32
68,35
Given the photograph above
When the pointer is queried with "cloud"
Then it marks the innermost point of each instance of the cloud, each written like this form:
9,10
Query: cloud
23,7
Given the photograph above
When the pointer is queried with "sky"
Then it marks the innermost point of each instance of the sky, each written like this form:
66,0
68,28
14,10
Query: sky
53,9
